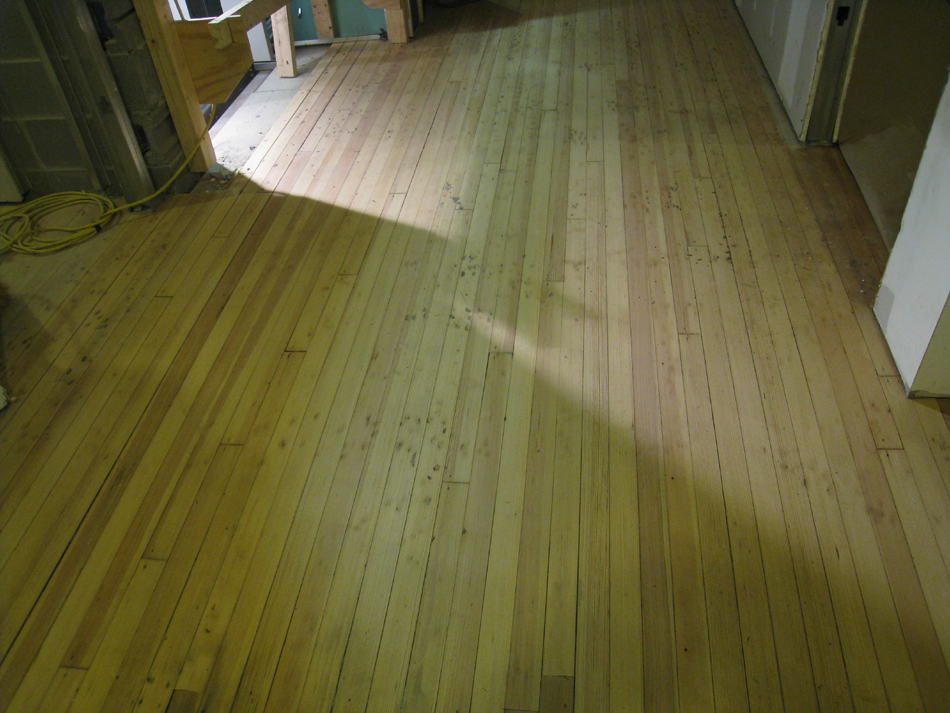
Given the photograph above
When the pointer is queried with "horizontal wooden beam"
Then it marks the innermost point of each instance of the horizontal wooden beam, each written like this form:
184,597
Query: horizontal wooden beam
383,4
251,12
215,73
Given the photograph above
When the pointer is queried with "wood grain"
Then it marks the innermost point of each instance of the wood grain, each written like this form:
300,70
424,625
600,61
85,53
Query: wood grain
523,367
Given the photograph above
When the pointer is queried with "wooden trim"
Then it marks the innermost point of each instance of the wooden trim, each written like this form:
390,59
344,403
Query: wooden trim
163,44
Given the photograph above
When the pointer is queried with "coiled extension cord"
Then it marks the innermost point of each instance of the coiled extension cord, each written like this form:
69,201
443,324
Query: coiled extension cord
22,231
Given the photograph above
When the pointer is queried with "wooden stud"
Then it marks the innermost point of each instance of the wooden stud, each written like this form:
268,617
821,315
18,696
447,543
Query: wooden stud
163,44
284,49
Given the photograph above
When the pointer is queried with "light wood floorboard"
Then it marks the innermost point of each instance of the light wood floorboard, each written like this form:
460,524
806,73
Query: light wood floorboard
524,367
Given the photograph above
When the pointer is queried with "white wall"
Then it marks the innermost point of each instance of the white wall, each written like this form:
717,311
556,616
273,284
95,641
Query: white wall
788,35
913,305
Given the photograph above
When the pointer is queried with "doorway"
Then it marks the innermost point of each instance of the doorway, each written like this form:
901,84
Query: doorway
901,66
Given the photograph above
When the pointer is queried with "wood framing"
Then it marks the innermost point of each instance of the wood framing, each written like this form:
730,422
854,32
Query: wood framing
323,19
251,12
398,22
284,51
165,48
214,73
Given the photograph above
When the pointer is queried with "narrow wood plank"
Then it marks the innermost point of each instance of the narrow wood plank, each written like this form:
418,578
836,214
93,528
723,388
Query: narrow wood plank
759,649
561,611
592,666
645,219
119,637
883,622
922,446
494,639
456,685
425,662
626,652
154,693
355,603
80,342
525,660
63,689
725,635
85,641
321,86
557,694
193,450
433,453
183,701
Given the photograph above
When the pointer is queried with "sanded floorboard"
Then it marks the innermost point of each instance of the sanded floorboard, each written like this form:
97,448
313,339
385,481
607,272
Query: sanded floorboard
523,367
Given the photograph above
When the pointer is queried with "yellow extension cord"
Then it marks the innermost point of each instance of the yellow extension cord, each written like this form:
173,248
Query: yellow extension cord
20,229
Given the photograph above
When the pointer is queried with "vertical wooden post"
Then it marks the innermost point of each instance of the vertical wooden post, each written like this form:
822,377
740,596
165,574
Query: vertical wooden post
284,50
398,18
397,24
323,19
156,19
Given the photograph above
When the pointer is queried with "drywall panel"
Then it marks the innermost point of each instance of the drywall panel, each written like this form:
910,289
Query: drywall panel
788,35
912,302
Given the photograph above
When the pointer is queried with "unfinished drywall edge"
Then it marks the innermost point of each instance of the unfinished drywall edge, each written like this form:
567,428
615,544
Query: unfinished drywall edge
916,284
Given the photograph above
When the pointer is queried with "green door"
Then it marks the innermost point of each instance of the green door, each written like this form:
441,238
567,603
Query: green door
351,18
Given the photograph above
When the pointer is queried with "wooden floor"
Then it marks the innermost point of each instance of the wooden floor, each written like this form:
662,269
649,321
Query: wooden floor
525,367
